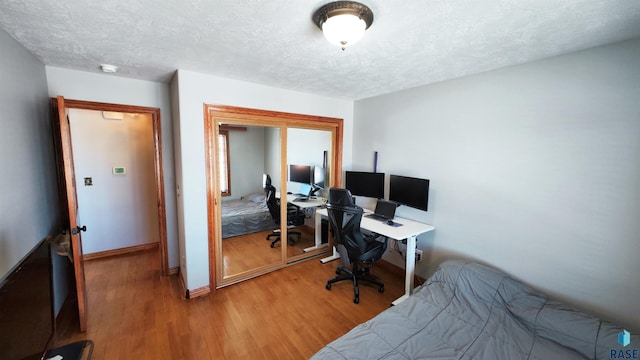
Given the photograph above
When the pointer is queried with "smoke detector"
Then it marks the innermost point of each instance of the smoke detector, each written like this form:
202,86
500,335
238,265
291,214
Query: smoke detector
108,68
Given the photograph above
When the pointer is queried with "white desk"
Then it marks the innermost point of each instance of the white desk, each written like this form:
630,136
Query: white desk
409,230
314,201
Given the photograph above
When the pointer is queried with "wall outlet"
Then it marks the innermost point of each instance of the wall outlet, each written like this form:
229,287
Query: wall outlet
418,255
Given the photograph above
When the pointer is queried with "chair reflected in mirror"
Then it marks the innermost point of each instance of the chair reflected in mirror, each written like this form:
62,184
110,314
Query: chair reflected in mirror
295,217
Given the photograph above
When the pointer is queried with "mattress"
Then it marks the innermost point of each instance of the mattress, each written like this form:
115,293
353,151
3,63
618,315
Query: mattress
245,216
470,311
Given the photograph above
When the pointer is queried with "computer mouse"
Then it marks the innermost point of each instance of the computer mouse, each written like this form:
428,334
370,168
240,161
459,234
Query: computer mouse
389,222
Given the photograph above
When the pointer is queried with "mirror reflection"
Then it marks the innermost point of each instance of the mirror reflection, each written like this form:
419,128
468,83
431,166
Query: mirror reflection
267,173
247,154
308,168
250,177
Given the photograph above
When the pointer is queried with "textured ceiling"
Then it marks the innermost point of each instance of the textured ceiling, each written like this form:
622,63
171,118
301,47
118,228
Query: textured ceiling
411,42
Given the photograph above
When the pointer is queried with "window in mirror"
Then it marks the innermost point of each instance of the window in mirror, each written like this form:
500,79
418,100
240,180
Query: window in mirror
223,162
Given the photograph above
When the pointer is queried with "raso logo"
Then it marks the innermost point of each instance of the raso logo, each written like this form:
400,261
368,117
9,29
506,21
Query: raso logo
624,339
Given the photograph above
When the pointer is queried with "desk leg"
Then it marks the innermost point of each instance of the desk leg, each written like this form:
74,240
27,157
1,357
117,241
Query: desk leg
334,256
318,238
318,235
410,268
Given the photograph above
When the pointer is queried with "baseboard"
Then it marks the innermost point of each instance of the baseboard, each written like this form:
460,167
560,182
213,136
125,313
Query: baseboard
121,251
201,291
397,270
183,287
192,294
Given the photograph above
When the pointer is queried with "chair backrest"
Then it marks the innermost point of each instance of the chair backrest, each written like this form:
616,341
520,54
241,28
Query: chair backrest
344,217
272,202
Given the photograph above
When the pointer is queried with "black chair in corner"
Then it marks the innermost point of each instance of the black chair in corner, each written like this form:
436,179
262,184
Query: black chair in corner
354,246
295,217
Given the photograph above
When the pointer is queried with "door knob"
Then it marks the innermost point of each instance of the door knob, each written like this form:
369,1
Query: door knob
78,229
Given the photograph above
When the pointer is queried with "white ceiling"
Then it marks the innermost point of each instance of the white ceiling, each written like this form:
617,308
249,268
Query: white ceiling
411,42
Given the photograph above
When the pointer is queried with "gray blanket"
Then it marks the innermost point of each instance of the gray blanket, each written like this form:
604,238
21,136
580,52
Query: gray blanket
469,311
245,216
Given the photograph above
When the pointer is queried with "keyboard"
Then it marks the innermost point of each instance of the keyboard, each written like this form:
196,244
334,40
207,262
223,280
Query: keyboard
377,217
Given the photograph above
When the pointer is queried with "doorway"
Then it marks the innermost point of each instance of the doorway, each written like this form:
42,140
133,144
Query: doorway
145,188
113,161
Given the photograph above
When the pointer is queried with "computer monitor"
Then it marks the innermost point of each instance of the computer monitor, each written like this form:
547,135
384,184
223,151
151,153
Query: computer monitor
300,174
318,177
368,184
409,191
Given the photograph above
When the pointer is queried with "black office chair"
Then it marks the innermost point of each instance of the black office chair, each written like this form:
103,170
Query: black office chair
355,247
295,217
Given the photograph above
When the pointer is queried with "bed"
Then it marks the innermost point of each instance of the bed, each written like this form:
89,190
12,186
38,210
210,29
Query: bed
246,215
470,311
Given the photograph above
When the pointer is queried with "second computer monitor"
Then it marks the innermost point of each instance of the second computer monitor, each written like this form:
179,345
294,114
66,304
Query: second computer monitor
361,183
300,174
319,176
409,191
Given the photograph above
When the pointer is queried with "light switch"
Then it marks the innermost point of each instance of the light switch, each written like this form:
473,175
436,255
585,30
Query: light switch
119,170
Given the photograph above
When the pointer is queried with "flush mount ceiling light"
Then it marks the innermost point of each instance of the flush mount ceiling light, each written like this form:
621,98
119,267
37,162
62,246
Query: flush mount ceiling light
343,22
108,68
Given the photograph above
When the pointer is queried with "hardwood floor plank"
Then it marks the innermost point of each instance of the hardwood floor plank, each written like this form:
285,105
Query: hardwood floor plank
246,252
134,313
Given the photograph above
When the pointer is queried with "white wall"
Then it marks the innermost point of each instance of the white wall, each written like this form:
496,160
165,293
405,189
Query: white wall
246,156
534,169
28,186
80,85
193,90
272,154
306,147
118,210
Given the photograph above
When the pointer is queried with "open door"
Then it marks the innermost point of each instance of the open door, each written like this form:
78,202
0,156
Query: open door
68,200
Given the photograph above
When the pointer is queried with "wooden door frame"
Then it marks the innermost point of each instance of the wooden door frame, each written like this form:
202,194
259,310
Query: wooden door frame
276,119
157,157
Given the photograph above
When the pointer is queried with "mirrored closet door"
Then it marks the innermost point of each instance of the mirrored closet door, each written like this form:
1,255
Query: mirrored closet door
310,150
251,154
249,157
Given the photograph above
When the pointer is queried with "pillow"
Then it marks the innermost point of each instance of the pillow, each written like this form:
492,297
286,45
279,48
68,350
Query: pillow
257,198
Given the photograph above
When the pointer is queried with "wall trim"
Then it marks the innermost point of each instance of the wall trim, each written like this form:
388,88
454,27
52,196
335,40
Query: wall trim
183,287
192,294
121,251
201,291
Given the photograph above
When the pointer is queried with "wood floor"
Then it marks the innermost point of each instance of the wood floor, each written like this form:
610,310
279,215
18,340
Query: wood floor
247,252
134,313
